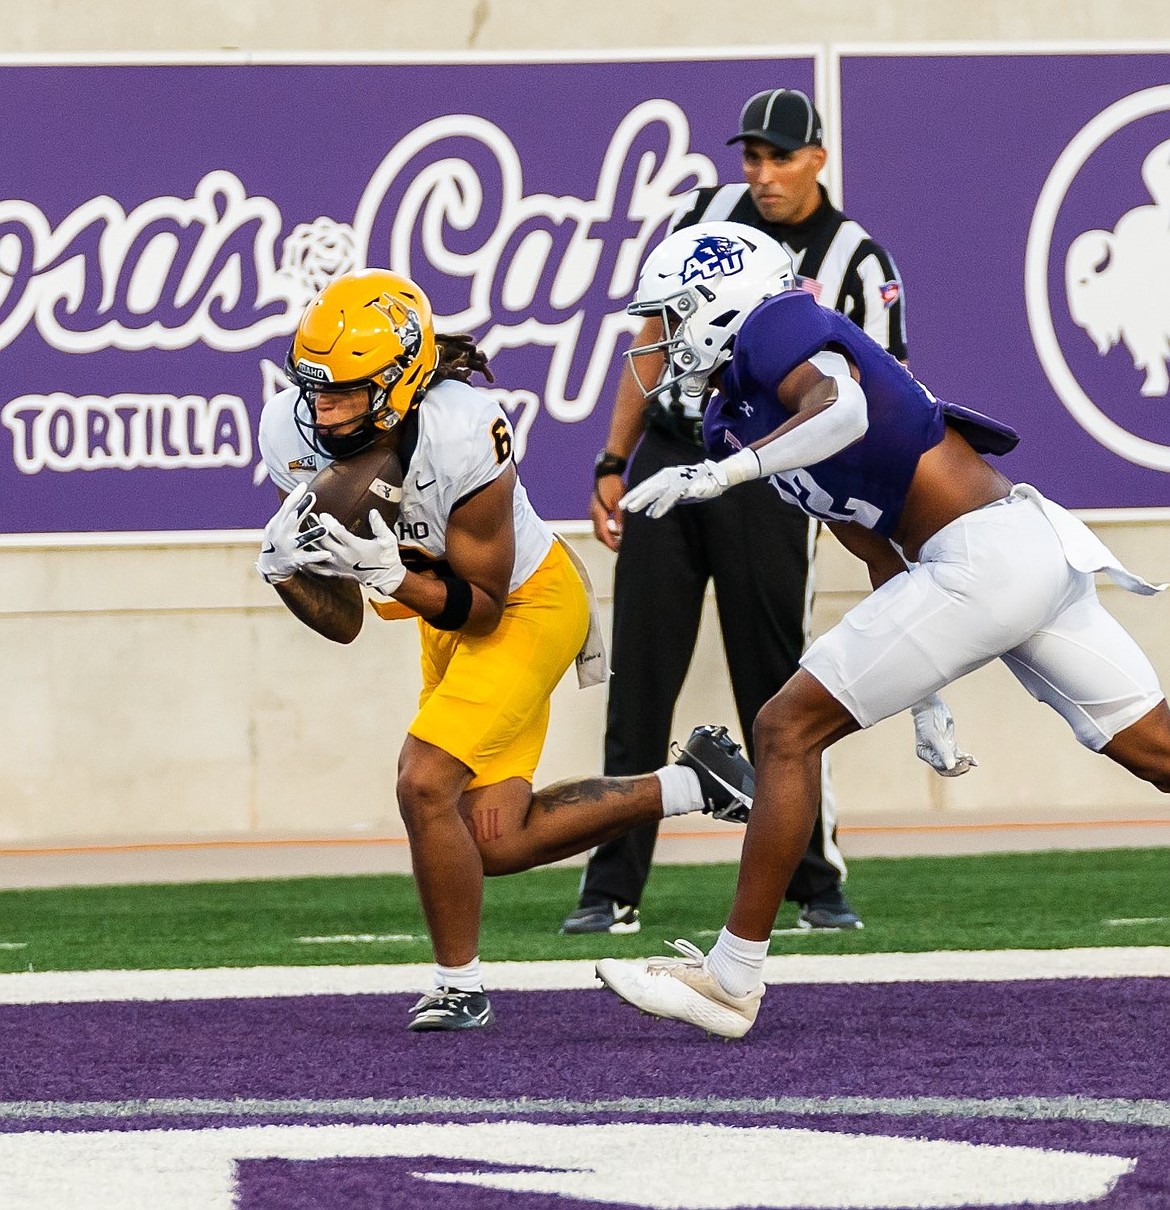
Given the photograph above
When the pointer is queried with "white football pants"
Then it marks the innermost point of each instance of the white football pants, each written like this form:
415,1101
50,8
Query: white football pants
1012,580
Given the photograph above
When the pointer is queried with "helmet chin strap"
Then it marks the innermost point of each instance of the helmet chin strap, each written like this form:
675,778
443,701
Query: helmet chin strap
678,395
345,445
337,445
689,389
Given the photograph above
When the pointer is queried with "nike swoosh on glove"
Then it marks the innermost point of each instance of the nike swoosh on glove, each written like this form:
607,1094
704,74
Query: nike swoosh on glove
934,738
286,548
676,485
373,562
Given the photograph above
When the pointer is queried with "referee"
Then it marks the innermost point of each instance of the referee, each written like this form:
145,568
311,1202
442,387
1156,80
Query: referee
756,548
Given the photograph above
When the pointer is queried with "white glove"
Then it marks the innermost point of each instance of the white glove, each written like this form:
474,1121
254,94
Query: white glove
676,485
934,738
373,562
285,550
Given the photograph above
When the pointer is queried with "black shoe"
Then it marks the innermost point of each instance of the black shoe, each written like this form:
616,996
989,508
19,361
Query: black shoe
726,778
828,910
607,917
446,1008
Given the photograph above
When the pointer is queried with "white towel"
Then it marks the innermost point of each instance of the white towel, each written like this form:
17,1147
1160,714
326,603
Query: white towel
592,661
1082,548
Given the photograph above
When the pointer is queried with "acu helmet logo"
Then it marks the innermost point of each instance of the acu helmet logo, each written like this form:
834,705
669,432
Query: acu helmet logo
713,255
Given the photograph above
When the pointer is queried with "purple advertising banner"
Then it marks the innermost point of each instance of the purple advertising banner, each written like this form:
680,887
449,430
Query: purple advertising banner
163,226
1026,200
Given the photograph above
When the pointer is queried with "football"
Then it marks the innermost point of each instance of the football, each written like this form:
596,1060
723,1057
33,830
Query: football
350,487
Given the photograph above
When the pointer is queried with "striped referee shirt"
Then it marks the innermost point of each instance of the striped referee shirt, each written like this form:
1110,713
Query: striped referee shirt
855,275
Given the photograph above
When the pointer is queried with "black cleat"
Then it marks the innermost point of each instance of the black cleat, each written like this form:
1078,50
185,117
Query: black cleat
726,777
446,1008
828,910
607,917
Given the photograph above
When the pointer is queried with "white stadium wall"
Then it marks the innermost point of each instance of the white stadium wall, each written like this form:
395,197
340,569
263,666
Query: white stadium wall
156,689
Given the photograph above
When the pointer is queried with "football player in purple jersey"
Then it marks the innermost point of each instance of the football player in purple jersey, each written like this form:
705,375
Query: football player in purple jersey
966,567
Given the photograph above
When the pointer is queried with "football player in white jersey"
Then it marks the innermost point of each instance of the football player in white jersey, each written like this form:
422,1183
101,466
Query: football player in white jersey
503,612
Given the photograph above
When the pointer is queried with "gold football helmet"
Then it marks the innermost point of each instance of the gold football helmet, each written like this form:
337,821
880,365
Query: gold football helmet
371,329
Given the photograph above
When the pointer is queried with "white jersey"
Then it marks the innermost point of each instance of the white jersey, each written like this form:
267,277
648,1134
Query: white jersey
463,443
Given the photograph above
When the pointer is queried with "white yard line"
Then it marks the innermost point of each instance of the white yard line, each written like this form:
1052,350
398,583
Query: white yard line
49,987
1118,1111
358,939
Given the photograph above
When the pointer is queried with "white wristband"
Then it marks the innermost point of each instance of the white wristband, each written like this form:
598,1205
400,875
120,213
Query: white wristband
740,467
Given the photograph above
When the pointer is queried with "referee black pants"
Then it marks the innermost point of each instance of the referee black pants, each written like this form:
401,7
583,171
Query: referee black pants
756,550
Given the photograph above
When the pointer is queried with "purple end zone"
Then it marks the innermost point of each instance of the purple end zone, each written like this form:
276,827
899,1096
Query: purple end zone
1096,1037
1090,1038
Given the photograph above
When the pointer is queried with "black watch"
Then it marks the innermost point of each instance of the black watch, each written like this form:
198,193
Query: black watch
608,464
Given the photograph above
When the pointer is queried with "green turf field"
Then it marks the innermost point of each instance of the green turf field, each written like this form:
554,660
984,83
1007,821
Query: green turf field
1019,900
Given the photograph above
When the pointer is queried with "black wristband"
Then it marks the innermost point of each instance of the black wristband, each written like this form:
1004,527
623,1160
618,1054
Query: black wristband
609,464
457,608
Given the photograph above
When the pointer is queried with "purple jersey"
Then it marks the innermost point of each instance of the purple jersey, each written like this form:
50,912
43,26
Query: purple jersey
867,482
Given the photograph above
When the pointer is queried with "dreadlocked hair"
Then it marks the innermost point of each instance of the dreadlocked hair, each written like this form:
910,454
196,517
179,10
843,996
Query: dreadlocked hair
459,358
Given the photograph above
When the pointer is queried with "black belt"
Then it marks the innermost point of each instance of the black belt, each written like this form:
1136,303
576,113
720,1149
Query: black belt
665,420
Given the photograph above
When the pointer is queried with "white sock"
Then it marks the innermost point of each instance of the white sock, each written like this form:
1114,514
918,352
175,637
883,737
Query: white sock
460,978
738,965
680,790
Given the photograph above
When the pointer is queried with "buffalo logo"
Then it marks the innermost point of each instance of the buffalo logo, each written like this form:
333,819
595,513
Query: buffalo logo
1097,277
713,256
1118,281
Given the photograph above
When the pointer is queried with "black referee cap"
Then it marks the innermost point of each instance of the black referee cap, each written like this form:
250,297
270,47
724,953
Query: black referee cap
784,117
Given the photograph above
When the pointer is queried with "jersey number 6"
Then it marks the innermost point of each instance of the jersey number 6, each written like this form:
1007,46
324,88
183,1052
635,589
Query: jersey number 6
503,440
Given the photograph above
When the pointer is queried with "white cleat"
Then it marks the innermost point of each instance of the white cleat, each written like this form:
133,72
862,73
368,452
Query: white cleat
681,989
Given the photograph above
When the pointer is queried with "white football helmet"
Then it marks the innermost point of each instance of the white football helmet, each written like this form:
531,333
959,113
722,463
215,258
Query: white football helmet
702,282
